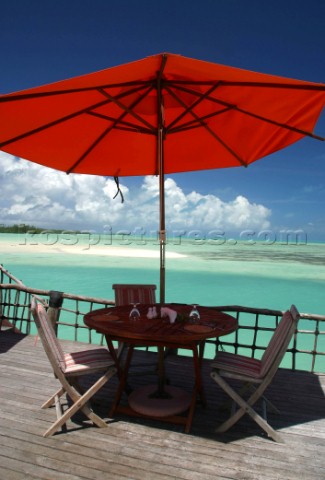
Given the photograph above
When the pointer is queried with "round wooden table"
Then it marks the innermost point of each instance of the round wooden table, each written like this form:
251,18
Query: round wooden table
160,401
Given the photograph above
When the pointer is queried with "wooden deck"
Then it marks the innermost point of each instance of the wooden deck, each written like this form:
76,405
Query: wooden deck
132,448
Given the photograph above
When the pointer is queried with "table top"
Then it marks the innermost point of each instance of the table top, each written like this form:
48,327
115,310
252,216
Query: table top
115,323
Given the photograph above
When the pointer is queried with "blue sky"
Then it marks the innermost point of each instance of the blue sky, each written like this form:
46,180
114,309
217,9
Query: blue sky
45,41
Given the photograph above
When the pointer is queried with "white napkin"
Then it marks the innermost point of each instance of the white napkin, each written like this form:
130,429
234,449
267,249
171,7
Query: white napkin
168,312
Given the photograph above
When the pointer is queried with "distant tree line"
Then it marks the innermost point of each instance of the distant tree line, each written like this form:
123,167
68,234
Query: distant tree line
23,228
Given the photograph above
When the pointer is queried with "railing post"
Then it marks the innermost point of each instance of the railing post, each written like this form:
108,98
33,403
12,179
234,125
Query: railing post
53,312
1,303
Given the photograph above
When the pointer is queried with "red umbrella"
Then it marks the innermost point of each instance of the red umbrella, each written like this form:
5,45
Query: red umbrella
163,114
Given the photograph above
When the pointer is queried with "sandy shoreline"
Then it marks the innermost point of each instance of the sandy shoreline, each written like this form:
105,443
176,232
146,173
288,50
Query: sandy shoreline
79,249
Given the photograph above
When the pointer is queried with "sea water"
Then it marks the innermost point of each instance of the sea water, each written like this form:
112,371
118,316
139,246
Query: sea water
248,274
251,274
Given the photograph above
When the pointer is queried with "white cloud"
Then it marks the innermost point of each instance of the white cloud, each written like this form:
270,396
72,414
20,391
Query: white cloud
47,198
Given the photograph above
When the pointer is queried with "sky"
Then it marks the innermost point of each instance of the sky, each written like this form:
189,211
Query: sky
46,41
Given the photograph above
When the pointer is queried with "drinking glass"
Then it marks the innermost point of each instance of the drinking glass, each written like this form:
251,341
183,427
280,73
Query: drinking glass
194,315
134,313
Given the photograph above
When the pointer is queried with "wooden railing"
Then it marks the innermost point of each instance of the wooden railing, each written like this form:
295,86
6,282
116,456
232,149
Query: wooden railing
256,325
15,299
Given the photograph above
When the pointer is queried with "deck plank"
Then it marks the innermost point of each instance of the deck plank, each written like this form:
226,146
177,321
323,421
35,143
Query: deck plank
133,448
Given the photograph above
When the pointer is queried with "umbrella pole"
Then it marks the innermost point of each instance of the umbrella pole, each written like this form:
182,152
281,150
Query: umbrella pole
161,171
162,230
161,393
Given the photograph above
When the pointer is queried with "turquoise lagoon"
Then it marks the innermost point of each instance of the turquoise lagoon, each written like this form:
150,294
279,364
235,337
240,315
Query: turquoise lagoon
249,274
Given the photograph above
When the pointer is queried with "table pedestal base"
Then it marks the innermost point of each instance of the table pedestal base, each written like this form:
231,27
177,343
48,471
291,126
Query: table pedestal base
144,405
144,402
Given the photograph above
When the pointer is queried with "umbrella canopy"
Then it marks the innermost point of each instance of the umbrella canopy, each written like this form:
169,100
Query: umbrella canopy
162,114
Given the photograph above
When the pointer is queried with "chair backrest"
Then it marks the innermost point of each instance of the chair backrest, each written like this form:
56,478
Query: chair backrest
134,293
47,335
279,343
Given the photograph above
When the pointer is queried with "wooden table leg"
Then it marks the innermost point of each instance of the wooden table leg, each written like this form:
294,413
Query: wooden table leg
201,351
161,371
114,356
198,386
122,376
197,357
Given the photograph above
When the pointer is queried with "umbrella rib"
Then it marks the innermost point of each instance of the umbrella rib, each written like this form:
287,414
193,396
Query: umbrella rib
307,86
225,83
132,127
49,125
106,132
214,135
193,123
127,109
254,115
185,127
282,125
197,102
25,96
89,149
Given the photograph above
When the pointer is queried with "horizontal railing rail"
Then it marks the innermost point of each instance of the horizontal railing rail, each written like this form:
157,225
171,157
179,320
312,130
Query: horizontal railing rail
256,325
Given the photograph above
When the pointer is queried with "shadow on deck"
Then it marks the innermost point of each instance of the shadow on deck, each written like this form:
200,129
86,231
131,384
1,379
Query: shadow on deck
135,448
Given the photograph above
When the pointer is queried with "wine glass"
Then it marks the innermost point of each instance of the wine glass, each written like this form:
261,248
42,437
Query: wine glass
134,313
194,315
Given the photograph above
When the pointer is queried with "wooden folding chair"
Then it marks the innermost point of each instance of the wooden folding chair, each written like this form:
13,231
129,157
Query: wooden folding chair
128,294
68,368
255,374
125,294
